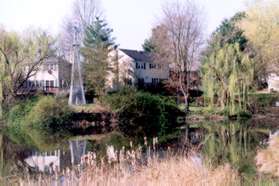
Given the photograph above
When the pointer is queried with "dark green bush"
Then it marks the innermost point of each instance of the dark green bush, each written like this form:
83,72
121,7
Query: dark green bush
143,114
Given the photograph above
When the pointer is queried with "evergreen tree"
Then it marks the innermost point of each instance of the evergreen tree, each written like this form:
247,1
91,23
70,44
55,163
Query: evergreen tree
98,42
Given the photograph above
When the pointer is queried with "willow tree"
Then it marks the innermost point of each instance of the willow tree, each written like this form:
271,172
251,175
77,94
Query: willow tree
227,77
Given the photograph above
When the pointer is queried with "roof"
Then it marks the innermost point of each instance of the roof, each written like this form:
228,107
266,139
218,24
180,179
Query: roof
138,55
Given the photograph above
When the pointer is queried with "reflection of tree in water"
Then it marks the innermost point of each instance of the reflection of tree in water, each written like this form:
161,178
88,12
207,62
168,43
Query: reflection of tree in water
11,157
232,142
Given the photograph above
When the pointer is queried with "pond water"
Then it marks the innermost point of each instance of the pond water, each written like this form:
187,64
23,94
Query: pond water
223,142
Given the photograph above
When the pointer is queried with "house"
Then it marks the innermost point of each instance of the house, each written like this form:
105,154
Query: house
53,76
135,68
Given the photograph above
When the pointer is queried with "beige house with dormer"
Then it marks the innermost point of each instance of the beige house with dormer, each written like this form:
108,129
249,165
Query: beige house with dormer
135,68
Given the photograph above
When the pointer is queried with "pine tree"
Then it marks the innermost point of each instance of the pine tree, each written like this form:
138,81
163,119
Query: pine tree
98,42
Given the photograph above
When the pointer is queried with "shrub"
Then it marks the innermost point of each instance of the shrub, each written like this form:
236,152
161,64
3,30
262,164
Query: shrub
15,118
257,102
143,114
49,114
118,99
38,120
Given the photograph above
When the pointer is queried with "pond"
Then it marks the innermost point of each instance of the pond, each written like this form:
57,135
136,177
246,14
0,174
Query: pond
234,142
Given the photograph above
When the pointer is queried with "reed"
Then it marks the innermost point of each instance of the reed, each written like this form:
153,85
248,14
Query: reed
138,167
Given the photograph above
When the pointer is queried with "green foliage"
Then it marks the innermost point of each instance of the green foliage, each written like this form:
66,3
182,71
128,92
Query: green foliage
48,114
97,45
37,121
228,33
15,120
16,51
258,102
143,114
234,143
227,69
148,46
119,100
227,78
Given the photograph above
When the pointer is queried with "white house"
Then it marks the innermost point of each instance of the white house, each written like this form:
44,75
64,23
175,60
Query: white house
135,68
53,75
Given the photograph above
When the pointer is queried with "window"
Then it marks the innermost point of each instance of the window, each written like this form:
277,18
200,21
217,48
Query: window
151,65
51,84
37,83
137,66
29,84
42,83
47,83
155,81
140,66
143,66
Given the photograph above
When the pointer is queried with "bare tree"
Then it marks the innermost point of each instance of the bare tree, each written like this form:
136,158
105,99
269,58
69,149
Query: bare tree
183,23
21,57
84,12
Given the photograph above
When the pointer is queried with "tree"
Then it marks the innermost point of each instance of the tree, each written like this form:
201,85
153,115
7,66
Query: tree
228,67
228,33
227,78
262,30
98,42
183,25
21,57
148,46
84,12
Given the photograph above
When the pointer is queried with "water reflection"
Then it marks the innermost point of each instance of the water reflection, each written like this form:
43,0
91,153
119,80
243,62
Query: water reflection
230,142
44,162
226,142
77,149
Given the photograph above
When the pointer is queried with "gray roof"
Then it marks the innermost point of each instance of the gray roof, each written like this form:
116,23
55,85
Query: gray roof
138,55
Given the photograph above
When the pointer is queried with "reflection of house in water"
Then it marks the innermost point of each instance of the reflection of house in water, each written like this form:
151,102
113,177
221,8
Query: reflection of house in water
44,162
77,150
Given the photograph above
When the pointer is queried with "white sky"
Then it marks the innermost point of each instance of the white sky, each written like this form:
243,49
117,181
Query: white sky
132,20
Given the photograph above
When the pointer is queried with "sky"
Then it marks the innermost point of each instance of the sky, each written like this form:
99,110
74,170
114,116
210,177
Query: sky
131,20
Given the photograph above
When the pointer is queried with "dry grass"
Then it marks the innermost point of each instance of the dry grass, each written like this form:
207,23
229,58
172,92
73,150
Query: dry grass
267,160
131,168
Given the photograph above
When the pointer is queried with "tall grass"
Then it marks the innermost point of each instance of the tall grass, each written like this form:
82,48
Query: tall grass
135,167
